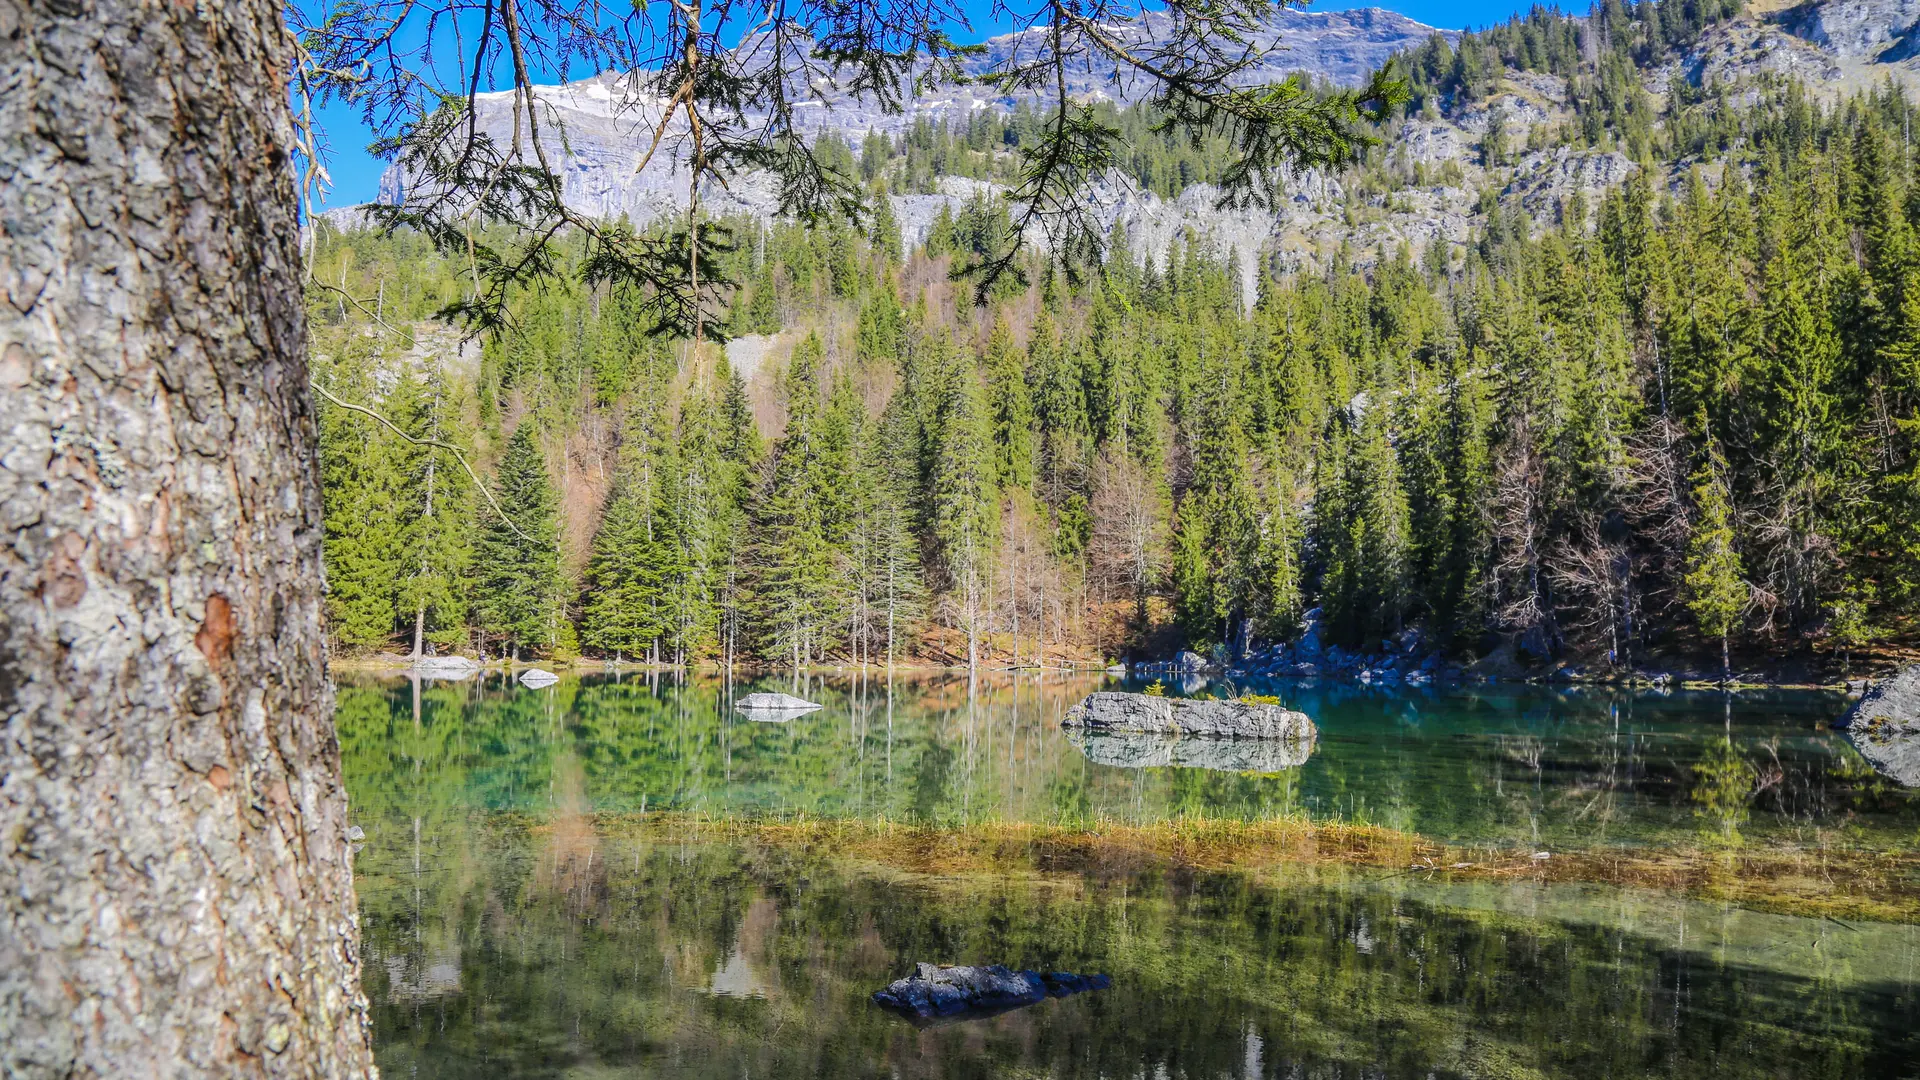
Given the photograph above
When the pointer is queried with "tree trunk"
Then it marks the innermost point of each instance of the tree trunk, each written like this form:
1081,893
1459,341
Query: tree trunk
176,889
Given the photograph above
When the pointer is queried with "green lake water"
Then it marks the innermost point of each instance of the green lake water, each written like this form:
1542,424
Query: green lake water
508,933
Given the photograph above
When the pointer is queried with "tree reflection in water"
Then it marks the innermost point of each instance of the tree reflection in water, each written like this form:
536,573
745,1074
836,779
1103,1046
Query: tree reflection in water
513,929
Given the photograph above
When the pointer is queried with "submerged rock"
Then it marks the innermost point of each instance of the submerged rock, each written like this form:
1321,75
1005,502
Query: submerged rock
536,679
1237,719
1130,750
935,991
1884,725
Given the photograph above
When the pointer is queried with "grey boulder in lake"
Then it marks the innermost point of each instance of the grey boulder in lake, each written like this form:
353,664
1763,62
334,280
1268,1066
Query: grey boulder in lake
1149,715
1885,726
444,667
937,991
774,708
1132,750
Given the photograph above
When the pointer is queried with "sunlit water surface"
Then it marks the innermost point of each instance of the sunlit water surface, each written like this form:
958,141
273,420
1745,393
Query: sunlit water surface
510,932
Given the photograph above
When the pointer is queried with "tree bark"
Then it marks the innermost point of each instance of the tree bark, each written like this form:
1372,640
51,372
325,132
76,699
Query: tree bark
174,870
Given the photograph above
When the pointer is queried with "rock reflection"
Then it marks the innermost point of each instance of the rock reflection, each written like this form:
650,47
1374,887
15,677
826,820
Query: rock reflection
1221,755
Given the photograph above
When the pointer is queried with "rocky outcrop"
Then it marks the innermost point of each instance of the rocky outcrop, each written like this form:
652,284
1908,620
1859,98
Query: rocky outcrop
536,679
936,991
1127,750
1873,30
1177,717
1884,725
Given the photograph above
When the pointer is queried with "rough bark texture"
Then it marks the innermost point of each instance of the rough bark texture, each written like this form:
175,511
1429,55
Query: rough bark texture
174,873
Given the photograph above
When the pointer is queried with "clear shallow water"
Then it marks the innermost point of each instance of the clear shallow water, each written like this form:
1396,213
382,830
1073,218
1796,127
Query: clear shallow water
508,933
1509,765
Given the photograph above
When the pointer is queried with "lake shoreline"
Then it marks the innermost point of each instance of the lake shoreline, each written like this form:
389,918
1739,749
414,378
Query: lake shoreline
389,665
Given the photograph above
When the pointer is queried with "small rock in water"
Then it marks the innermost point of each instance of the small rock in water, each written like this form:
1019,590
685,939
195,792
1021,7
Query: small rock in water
537,679
774,708
937,991
1191,661
444,667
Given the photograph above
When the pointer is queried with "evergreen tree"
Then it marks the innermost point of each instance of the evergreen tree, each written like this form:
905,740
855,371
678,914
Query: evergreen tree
1716,593
965,500
796,576
363,480
1011,407
438,504
518,580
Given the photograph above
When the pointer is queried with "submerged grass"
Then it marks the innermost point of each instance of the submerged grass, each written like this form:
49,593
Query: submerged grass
1836,883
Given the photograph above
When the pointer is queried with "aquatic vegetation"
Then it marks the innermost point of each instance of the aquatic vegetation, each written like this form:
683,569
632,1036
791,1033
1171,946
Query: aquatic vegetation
594,945
1832,881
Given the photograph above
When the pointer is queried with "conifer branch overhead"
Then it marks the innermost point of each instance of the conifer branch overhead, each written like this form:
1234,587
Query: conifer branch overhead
718,85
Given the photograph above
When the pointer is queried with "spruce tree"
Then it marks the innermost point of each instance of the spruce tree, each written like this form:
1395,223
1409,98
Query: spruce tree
438,513
616,618
965,500
517,557
1715,592
1385,544
1011,406
796,576
363,475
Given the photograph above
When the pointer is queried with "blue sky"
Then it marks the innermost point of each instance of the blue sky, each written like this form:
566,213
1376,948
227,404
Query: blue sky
356,174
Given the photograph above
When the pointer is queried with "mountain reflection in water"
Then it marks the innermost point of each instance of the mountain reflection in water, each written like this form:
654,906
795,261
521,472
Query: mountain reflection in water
512,928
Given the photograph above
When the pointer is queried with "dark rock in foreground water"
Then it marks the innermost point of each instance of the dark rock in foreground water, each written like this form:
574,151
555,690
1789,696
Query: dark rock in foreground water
1885,727
1132,750
1108,711
936,991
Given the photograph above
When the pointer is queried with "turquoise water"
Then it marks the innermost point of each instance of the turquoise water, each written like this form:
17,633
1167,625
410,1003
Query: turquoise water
513,929
1510,765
